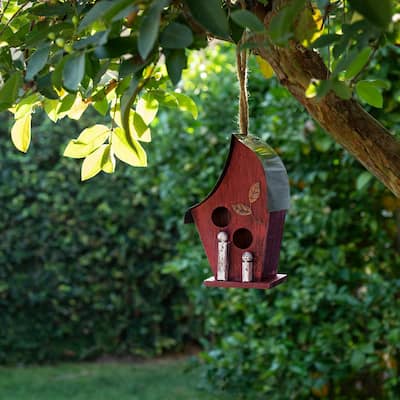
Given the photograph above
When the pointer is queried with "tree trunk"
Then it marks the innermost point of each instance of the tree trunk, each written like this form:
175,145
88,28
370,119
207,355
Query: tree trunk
345,120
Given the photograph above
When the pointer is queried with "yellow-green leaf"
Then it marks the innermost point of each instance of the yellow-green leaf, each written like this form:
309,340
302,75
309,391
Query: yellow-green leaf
108,161
265,67
185,103
122,148
92,164
76,149
147,107
51,107
96,134
78,108
21,133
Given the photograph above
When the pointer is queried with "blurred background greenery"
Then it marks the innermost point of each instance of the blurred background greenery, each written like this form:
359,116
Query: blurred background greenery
108,267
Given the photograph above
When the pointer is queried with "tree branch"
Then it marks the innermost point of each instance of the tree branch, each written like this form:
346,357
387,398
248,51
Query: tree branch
345,120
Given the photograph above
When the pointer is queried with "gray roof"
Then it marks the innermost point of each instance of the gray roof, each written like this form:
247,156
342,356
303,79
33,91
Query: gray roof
278,196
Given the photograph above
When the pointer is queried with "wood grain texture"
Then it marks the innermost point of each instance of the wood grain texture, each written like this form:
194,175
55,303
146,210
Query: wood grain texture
243,182
266,284
243,170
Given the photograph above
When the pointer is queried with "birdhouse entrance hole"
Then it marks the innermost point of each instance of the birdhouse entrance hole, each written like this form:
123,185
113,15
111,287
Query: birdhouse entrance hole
242,238
241,221
221,217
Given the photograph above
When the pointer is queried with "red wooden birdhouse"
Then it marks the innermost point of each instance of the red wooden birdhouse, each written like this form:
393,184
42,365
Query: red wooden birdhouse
241,221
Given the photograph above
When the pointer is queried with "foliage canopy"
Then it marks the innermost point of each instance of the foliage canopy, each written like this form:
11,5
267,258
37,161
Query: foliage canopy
116,56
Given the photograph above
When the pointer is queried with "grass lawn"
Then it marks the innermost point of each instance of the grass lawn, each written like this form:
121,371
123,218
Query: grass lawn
158,380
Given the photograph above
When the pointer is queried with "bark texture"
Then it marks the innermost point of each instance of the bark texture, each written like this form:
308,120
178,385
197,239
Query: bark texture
345,120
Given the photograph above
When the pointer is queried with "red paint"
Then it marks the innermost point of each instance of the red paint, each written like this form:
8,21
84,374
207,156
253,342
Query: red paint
242,190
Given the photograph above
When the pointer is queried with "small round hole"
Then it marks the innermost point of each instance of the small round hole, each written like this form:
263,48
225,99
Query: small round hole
221,216
242,238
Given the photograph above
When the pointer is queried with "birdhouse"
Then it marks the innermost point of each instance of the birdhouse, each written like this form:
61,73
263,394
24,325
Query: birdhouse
241,221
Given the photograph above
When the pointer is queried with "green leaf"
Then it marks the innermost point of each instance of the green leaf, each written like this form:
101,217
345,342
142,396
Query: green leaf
73,71
101,106
248,20
9,91
126,103
370,92
92,164
26,105
137,124
325,40
148,30
21,133
95,134
95,13
280,27
105,10
176,62
89,140
342,89
377,12
108,160
135,156
211,16
76,149
363,179
45,86
358,63
37,62
176,36
50,107
147,107
185,103
357,360
57,75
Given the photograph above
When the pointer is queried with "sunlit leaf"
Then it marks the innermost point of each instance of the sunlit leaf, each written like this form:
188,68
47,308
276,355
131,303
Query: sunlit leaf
26,105
108,161
147,107
76,149
92,164
78,108
369,92
21,133
185,103
95,134
122,148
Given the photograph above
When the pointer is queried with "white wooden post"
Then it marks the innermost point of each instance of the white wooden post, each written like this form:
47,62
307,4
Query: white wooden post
247,267
223,261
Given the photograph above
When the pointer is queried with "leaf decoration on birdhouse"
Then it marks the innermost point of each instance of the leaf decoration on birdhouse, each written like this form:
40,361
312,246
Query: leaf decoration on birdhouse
241,209
254,192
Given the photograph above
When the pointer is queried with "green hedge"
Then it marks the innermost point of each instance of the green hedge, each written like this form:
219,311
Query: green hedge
81,263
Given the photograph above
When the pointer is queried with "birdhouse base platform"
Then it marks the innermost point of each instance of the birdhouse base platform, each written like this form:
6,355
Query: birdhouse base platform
266,284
